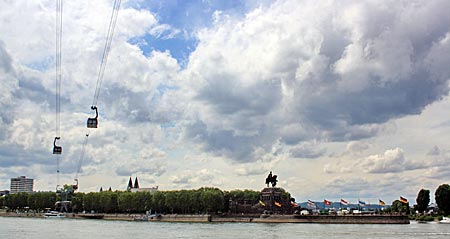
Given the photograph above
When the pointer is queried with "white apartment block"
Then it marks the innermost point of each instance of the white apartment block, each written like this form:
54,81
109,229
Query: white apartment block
21,184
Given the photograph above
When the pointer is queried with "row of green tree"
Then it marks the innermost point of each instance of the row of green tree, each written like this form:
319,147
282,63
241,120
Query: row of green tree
36,201
441,196
203,200
183,201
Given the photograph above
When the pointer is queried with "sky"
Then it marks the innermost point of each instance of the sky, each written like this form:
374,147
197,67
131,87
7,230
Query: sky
340,99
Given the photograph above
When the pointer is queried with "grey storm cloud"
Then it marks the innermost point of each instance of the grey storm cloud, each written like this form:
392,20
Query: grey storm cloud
12,155
226,143
156,170
137,107
342,68
5,60
9,82
31,88
307,151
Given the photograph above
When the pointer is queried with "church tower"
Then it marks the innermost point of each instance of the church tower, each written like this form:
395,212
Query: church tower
136,183
130,185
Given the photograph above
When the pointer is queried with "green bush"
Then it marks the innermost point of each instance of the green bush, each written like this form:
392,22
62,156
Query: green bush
425,218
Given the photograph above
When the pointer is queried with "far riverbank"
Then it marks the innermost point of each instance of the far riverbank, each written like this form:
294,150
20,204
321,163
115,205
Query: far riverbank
325,219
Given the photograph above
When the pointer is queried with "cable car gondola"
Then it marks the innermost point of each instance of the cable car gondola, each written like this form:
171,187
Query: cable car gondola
56,149
93,122
75,186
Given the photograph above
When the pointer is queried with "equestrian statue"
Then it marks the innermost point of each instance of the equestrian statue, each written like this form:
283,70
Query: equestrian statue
271,180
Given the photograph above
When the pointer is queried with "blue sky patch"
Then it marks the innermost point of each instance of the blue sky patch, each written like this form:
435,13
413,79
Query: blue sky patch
187,17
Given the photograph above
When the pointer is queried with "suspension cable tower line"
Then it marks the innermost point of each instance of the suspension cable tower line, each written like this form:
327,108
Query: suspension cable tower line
80,160
57,150
93,122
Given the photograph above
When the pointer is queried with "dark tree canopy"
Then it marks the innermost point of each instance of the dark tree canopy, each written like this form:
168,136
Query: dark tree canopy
398,206
423,199
442,196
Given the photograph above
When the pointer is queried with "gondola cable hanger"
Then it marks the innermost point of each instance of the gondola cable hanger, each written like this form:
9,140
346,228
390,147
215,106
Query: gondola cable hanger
92,122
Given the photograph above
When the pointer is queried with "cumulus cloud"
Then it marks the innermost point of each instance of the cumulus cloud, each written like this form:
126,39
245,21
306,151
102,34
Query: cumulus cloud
357,147
133,91
257,88
189,178
437,163
393,160
251,169
307,150
340,70
435,151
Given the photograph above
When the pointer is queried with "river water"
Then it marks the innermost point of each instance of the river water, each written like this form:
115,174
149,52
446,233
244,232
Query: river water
92,229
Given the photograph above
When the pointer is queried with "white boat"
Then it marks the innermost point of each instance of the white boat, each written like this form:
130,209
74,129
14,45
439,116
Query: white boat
445,220
54,214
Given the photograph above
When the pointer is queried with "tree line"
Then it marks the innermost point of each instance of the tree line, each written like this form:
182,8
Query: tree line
35,201
203,200
441,196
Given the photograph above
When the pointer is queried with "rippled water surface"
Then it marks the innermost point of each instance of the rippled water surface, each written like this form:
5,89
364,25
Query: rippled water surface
93,229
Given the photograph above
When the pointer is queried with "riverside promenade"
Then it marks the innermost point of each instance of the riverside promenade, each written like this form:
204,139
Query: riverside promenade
251,218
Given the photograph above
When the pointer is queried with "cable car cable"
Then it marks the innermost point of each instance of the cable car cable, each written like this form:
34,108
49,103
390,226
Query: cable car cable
92,122
80,160
57,150
106,49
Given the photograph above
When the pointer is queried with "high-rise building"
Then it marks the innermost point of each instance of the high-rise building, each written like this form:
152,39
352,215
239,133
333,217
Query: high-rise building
21,184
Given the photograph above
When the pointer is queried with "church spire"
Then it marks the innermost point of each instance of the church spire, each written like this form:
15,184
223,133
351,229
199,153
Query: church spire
130,184
136,183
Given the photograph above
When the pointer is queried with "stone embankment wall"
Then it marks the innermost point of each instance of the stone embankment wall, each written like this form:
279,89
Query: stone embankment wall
327,219
354,219
21,214
181,218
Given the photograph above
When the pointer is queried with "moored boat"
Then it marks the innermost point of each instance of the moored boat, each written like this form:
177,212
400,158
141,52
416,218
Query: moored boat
445,220
54,214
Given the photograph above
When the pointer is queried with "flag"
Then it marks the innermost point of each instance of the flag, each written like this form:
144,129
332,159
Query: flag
381,202
344,202
326,202
311,203
262,203
294,204
362,204
277,204
403,200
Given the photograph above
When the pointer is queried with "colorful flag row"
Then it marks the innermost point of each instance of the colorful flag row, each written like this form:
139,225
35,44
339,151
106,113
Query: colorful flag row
277,203
360,203
343,202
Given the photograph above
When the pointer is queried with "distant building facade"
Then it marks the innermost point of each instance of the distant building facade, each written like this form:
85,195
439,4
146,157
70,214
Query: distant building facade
21,184
136,187
4,192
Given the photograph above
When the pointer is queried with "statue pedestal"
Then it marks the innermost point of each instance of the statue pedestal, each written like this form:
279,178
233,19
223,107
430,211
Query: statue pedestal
274,200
